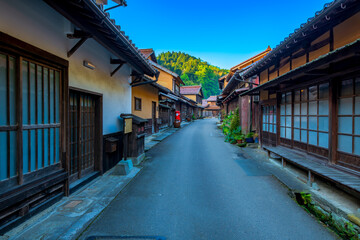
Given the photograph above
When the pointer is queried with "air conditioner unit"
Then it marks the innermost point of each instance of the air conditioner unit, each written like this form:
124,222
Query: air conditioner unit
256,98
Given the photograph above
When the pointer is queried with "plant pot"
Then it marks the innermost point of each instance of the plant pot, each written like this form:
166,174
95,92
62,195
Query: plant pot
256,140
249,140
239,141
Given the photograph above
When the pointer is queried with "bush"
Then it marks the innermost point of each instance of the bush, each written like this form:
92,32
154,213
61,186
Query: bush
235,121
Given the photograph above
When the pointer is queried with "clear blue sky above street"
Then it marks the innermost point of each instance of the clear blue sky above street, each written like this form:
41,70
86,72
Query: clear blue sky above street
222,33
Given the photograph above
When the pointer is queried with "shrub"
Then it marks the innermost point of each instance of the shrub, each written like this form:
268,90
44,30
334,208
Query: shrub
235,121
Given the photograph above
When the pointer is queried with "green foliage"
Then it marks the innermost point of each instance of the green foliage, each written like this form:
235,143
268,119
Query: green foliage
193,117
249,135
193,71
235,121
306,198
345,229
242,144
231,127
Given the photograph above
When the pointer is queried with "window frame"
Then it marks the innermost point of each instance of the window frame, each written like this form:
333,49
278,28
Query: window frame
354,95
24,51
136,108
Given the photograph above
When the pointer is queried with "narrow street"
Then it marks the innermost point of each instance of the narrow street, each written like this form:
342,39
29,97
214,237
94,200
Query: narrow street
196,186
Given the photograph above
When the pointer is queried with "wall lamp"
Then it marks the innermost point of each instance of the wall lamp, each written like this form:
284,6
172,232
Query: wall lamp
89,65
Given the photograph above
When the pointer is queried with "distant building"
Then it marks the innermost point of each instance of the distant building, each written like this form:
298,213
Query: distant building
231,87
211,109
194,93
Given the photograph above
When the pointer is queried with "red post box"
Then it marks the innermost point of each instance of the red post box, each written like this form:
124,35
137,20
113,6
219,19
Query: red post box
177,119
177,115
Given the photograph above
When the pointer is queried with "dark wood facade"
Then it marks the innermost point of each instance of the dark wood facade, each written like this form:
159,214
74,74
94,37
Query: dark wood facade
309,92
35,134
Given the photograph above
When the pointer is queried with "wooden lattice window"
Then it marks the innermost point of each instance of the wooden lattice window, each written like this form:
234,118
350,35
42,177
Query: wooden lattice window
285,115
8,118
137,104
39,101
269,119
40,115
349,116
311,115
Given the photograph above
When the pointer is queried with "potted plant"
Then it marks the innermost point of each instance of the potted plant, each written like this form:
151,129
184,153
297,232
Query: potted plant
256,138
249,137
239,138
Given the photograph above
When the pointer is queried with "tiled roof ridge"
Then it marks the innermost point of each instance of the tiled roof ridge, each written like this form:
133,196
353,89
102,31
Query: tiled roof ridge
297,31
267,50
122,33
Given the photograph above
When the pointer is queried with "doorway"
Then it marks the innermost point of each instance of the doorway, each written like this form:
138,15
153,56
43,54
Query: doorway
83,139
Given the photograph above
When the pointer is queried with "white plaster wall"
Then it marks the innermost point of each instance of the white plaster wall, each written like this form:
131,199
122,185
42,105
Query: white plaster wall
38,24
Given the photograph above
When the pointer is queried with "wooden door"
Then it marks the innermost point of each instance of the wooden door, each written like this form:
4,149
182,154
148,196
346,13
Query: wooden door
153,116
82,134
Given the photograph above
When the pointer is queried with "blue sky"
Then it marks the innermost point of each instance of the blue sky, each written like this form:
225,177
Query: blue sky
222,32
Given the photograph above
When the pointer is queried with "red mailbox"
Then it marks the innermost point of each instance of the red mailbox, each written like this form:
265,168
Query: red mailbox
177,119
177,115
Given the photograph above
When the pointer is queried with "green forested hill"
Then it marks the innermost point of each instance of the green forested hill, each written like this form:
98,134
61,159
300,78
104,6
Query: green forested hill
193,71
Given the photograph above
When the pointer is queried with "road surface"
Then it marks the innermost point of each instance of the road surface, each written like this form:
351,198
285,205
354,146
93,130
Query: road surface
196,186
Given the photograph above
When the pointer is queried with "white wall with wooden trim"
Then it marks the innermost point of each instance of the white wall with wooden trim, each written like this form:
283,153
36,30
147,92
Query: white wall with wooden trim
21,19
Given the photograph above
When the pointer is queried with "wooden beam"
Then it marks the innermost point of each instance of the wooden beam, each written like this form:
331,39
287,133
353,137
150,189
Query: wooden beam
76,47
142,83
117,68
116,61
78,34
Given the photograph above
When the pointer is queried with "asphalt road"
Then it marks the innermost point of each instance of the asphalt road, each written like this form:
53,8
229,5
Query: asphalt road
196,186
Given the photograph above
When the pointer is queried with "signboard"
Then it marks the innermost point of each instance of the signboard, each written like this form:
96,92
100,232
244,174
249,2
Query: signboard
128,125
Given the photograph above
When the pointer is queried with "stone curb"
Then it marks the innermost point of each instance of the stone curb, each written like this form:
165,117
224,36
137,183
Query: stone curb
79,219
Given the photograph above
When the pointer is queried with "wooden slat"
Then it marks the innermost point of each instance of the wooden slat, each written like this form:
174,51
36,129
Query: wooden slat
19,105
48,116
36,117
307,162
43,116
8,115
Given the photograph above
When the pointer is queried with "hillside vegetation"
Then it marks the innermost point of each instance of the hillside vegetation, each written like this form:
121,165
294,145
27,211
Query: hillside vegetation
193,71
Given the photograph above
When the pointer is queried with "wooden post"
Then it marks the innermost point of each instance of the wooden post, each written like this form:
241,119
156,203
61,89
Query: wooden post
283,162
126,136
310,179
278,102
332,122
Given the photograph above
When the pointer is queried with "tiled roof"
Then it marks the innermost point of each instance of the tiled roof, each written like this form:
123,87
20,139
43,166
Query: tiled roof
190,90
115,40
158,66
251,60
321,18
213,108
204,103
212,99
147,52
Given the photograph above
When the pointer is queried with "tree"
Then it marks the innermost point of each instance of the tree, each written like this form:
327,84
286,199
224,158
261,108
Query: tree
193,71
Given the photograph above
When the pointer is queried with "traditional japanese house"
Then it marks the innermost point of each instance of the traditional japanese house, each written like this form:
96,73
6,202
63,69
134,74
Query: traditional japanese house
212,109
146,104
168,102
65,69
310,95
231,87
196,94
